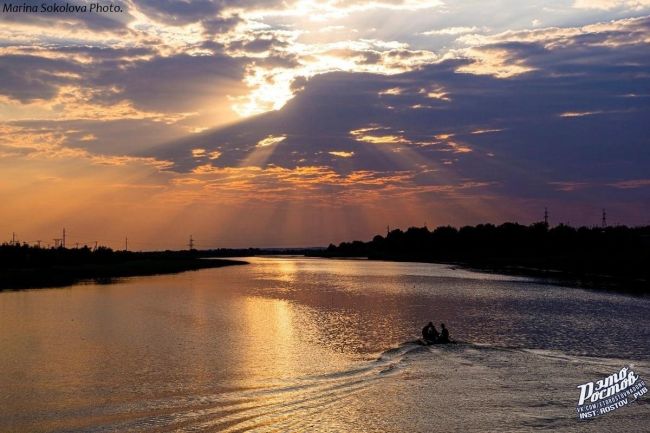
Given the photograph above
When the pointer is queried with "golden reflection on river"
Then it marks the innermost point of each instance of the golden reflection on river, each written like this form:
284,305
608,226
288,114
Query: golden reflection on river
295,344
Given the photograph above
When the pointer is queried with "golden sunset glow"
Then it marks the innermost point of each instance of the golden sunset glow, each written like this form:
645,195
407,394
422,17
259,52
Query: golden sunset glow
233,216
308,113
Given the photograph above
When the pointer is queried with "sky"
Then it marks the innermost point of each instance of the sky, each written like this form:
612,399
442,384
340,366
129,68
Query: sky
303,122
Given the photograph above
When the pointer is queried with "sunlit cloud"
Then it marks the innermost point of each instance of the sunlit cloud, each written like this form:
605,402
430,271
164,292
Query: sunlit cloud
88,137
611,4
215,154
437,92
458,148
38,144
370,135
452,31
580,113
392,91
271,140
74,103
444,136
485,131
605,33
496,62
341,154
271,87
333,9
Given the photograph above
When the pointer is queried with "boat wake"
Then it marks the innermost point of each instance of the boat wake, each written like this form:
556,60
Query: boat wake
303,403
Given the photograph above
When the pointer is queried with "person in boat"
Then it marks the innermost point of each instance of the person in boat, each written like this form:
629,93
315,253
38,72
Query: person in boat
444,334
429,333
433,334
426,330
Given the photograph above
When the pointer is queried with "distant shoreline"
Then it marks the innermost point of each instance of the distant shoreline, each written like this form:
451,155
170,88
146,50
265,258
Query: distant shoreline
611,258
139,264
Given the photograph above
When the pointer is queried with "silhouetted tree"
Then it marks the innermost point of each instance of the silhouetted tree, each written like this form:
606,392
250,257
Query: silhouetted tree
615,251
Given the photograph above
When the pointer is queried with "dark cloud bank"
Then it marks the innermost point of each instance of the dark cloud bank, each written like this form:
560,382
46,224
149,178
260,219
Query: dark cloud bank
576,124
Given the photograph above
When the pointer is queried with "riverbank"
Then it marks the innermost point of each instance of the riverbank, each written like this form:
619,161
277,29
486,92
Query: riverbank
558,277
602,281
613,258
31,268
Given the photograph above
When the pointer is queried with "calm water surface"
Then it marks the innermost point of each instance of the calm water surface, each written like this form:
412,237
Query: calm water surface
297,344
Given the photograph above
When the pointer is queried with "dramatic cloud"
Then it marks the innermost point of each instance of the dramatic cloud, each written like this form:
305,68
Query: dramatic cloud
358,112
612,4
28,78
521,135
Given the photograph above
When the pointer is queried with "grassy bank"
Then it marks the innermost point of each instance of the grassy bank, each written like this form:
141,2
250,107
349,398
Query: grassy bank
23,267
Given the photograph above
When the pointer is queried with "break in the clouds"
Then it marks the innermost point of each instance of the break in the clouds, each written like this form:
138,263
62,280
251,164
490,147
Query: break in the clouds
368,111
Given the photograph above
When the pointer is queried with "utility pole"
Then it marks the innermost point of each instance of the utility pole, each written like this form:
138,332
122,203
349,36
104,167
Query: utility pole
546,217
13,238
126,243
38,243
95,249
63,238
191,243
604,220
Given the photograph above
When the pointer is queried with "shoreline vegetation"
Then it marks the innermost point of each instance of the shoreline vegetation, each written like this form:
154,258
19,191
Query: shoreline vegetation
28,267
613,258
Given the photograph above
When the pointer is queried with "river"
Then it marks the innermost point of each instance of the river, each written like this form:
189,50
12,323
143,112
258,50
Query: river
318,345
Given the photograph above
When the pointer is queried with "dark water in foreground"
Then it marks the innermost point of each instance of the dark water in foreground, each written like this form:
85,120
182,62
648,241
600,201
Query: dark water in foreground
295,344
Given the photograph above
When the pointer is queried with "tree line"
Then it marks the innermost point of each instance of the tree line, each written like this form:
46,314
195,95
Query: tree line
616,253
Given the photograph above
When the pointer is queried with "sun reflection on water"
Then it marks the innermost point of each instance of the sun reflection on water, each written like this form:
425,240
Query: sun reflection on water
284,344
